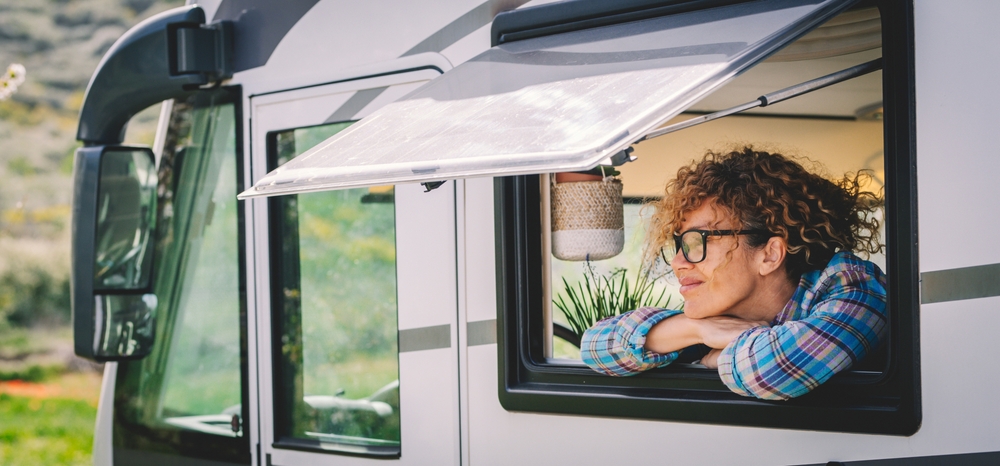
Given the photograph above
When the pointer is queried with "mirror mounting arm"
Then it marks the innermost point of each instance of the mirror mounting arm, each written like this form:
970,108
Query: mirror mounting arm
164,57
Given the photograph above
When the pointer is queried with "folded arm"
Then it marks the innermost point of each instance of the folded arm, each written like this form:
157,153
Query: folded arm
650,337
791,359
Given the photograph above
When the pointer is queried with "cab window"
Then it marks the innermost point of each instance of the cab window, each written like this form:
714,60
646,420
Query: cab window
201,309
336,379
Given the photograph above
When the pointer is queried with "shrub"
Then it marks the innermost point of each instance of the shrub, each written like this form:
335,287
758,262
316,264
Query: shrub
34,283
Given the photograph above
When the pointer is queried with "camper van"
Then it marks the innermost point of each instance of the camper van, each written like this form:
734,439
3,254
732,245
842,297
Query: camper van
343,248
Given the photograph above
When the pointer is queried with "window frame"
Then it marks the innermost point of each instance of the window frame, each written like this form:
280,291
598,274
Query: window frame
279,268
886,402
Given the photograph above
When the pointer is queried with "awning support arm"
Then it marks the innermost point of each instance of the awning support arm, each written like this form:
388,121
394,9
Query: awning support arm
774,97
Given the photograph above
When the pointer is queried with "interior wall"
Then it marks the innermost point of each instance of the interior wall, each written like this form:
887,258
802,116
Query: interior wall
838,146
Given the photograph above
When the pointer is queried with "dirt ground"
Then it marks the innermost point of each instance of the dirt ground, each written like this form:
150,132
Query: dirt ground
84,386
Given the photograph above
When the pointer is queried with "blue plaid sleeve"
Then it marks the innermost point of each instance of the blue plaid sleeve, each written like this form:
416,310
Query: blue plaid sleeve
614,346
844,321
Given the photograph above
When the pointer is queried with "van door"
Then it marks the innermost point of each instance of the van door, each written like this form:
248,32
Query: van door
356,302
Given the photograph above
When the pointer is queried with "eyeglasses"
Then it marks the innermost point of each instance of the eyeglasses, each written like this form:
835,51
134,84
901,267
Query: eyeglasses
693,243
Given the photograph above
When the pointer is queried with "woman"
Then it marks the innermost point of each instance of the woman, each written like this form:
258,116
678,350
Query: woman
774,297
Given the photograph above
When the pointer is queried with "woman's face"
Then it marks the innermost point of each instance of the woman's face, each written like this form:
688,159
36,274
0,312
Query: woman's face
718,285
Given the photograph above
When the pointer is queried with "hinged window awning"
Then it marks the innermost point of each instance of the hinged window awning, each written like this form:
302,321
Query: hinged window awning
563,102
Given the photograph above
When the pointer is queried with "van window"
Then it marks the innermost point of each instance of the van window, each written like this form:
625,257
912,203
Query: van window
855,125
335,339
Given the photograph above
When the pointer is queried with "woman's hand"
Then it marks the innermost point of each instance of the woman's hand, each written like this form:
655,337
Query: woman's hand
718,332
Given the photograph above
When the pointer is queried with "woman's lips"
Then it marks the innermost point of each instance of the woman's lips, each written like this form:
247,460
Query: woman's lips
688,284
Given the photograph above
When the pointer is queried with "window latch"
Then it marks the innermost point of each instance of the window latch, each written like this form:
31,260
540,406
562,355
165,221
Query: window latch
432,185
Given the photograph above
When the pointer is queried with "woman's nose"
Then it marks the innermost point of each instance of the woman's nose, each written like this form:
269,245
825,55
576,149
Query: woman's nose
679,262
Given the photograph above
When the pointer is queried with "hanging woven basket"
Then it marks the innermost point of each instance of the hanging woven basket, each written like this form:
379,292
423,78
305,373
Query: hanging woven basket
588,221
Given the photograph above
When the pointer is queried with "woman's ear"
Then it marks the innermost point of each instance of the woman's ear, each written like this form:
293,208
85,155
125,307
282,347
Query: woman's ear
772,256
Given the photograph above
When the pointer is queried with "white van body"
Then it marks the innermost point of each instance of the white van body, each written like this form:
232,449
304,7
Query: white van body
451,413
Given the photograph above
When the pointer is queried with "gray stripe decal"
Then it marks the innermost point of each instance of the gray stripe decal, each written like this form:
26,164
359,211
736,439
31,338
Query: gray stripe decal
967,459
425,338
355,104
463,26
483,332
981,281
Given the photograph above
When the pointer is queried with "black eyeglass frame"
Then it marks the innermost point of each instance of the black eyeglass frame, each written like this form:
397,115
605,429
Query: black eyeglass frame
704,240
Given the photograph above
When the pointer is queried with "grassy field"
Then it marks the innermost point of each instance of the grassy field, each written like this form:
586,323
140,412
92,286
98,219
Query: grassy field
50,422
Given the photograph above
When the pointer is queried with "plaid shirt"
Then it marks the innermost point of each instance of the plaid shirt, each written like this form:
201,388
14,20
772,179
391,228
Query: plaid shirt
835,318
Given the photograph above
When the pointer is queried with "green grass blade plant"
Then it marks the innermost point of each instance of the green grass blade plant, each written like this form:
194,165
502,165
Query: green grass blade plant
600,296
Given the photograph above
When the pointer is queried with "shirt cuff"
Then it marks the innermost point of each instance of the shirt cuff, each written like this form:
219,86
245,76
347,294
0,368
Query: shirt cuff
746,377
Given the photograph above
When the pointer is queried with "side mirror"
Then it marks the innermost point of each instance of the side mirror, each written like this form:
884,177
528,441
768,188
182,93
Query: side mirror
114,219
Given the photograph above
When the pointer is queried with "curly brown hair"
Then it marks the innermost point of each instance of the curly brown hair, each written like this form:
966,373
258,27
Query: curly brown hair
768,191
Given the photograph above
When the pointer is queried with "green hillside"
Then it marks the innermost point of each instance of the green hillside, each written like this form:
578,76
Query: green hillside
60,43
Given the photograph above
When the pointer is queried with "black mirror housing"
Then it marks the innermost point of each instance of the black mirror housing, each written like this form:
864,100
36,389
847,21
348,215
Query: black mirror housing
113,225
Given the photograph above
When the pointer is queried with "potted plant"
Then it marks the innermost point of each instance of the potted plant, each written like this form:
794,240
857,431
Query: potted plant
600,296
588,220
